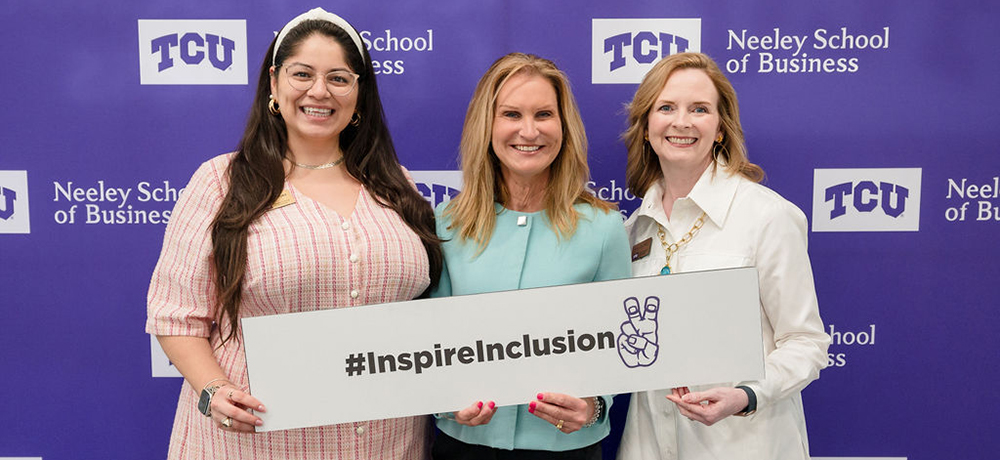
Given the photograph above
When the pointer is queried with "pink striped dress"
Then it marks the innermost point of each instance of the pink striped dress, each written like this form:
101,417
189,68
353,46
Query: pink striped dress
301,257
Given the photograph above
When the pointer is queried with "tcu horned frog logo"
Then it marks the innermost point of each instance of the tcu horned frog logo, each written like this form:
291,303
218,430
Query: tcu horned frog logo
7,198
637,343
14,202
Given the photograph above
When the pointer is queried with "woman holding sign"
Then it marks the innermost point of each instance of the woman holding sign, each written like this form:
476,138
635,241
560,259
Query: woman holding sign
524,166
311,212
703,209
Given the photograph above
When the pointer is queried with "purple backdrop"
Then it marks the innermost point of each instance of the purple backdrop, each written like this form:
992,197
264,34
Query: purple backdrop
877,120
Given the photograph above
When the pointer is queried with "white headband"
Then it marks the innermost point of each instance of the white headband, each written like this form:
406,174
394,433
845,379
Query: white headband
321,14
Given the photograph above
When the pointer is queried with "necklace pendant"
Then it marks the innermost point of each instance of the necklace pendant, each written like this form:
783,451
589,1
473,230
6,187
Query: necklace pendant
665,270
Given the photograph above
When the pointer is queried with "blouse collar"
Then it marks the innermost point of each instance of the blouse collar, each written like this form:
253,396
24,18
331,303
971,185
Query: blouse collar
713,193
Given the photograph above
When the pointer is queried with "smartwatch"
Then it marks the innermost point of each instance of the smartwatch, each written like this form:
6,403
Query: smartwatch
205,401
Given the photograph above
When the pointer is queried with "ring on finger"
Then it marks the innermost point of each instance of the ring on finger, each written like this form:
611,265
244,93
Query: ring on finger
227,422
559,425
230,397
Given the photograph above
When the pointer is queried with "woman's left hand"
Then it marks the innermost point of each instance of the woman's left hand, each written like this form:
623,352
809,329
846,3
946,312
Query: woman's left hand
708,406
231,409
566,413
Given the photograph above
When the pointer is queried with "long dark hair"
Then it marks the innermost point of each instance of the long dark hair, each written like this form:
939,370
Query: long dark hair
257,176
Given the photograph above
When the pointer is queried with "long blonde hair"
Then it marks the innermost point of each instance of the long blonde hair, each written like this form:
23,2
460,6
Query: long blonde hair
473,211
642,168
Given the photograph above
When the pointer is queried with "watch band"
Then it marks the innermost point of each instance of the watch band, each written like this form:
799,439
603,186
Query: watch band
220,379
751,402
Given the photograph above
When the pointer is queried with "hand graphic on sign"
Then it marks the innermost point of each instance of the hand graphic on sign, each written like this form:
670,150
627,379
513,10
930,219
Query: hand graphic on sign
637,343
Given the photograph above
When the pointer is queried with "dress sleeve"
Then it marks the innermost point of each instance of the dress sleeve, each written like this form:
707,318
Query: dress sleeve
181,297
616,253
788,297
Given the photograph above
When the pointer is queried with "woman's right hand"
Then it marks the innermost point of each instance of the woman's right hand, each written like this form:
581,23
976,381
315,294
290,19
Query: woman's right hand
230,402
476,414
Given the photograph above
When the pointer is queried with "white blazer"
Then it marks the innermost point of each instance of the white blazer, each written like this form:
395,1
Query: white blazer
747,224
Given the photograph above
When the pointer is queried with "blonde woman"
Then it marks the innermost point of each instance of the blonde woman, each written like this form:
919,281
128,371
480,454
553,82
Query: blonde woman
523,220
703,209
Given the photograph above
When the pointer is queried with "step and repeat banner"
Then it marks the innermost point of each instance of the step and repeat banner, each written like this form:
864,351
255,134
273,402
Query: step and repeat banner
878,119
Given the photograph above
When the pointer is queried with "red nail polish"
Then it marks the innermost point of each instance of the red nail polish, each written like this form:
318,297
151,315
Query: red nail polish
480,404
531,407
540,396
492,404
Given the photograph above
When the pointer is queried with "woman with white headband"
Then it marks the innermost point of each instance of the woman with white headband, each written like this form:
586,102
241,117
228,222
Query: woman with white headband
311,212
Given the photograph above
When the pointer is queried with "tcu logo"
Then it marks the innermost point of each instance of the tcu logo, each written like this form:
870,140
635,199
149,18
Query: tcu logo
14,210
437,186
7,203
846,200
644,47
867,196
192,52
193,48
436,193
623,50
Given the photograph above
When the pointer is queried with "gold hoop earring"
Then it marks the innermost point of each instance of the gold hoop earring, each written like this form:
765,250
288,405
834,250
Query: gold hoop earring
718,147
356,118
720,150
272,106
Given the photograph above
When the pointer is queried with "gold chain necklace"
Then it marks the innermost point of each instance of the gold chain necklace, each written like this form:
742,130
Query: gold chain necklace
322,166
672,248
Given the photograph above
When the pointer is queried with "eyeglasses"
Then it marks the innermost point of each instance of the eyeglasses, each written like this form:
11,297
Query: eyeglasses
338,82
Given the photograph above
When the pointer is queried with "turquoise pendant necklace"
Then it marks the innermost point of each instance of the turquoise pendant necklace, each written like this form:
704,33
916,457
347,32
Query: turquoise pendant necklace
672,248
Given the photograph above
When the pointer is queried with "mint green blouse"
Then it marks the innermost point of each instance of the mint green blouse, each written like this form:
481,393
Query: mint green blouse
527,256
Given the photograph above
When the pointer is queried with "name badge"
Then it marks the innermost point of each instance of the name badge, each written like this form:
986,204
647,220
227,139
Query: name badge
641,249
286,199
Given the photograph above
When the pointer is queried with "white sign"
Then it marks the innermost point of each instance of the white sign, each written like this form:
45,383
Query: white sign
192,52
440,355
623,50
866,200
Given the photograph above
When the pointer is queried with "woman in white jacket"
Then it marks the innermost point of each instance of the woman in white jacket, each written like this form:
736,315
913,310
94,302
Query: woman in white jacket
703,208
